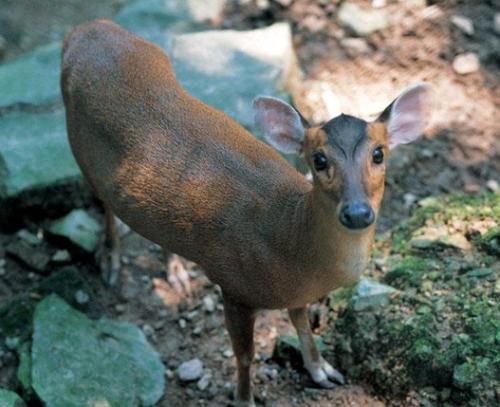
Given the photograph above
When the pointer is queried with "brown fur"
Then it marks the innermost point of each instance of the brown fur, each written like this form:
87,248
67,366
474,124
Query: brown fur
189,178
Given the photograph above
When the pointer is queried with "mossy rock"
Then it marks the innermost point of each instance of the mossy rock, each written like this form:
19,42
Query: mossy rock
10,399
439,336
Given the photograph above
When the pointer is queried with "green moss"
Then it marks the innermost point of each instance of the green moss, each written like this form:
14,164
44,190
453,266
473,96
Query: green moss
440,336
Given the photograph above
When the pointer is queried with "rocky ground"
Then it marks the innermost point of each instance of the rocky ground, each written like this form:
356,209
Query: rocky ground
356,74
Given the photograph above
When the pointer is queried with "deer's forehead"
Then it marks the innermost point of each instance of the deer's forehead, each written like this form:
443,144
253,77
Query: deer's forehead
346,133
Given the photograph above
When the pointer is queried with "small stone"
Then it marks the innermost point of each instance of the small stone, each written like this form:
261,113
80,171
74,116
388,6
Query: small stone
169,374
204,382
208,304
228,353
198,329
81,297
190,371
31,256
28,237
496,23
355,46
120,308
182,323
480,272
472,188
370,294
361,22
492,185
464,24
79,228
148,330
467,63
284,3
2,271
409,199
61,256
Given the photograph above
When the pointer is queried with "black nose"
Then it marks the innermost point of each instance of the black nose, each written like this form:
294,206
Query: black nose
357,215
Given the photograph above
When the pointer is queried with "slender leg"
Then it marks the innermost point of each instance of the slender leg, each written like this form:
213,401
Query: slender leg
177,274
320,370
109,253
239,323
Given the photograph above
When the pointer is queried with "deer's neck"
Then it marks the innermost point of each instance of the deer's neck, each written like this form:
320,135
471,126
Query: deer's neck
333,253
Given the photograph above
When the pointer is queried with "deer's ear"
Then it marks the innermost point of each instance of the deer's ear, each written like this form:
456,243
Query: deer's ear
280,123
408,115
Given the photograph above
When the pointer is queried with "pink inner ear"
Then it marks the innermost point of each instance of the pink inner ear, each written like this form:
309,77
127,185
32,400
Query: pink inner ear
409,115
280,124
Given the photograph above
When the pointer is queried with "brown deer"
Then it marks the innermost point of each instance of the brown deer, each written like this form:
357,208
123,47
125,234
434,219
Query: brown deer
191,179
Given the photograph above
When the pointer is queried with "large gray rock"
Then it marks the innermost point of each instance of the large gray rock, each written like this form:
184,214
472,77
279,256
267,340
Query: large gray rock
10,399
33,78
80,362
34,151
152,19
228,69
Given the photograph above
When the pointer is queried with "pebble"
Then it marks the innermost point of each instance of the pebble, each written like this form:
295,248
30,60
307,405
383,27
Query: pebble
120,308
190,371
3,262
198,329
496,23
28,237
2,271
355,46
228,353
464,24
472,188
492,185
81,297
61,256
169,374
467,63
409,199
148,330
208,304
204,382
182,323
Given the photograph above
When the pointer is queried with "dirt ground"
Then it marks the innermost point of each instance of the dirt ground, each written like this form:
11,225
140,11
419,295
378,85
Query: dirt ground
458,153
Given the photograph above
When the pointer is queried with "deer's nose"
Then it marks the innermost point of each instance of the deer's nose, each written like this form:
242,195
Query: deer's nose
356,215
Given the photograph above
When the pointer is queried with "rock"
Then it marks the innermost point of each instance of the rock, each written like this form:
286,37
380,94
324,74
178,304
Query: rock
23,374
208,304
480,272
492,185
496,23
464,24
33,257
89,361
152,19
10,399
61,256
28,237
228,353
467,63
32,78
81,297
409,199
190,371
228,69
287,349
30,144
361,22
370,294
79,228
433,236
204,382
355,46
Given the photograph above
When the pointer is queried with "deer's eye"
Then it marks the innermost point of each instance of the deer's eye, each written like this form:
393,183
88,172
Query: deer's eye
320,161
378,155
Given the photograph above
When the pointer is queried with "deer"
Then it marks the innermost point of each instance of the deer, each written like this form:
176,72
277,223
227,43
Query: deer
191,179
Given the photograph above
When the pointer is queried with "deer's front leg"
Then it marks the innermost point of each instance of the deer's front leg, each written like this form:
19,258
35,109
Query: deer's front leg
239,323
320,370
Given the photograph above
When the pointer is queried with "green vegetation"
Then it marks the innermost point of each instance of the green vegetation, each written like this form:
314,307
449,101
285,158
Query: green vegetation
440,335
